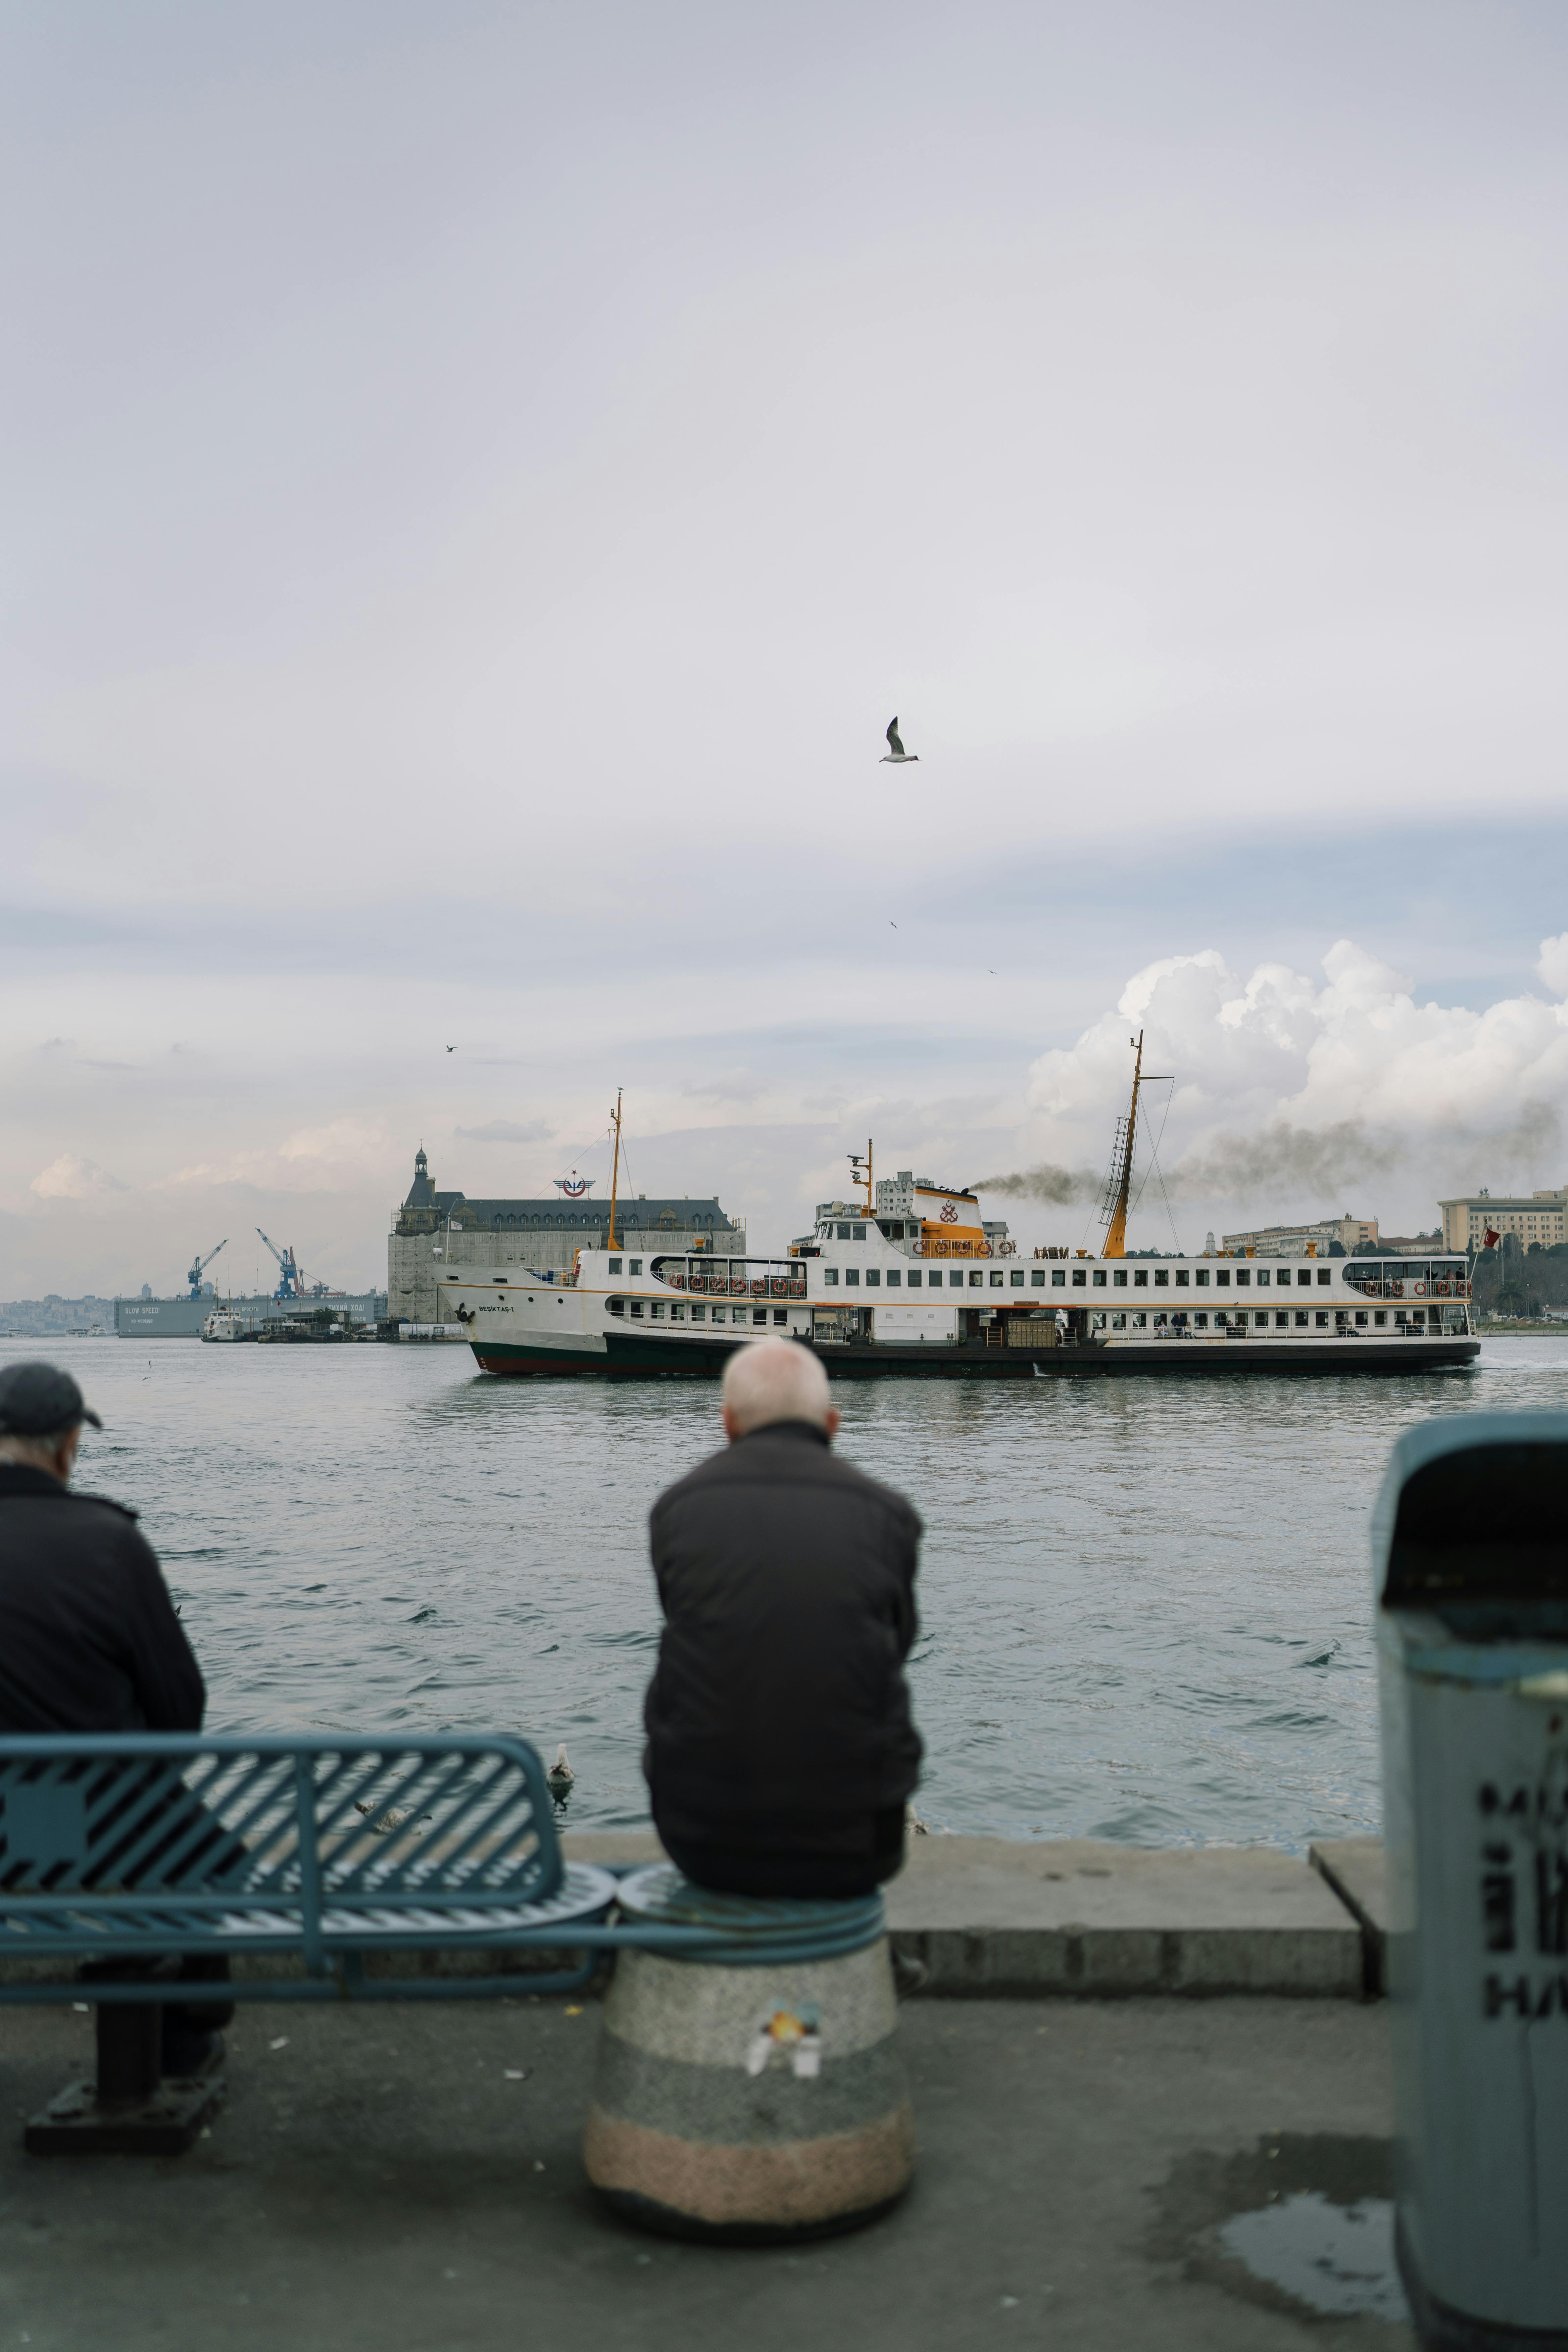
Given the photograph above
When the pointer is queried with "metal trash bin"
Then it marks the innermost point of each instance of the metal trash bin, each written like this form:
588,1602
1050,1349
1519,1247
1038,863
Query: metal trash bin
1471,1550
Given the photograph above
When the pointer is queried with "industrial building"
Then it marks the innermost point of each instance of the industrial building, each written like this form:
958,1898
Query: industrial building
436,1233
1534,1216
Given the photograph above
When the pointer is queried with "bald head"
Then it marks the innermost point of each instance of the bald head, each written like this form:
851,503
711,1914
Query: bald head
774,1379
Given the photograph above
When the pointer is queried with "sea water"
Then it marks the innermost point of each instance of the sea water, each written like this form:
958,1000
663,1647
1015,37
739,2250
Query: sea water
1146,1602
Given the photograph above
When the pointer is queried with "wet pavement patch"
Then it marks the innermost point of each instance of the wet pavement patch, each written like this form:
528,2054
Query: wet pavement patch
1301,2224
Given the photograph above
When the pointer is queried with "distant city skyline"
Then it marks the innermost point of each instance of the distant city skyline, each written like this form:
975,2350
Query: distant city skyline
477,487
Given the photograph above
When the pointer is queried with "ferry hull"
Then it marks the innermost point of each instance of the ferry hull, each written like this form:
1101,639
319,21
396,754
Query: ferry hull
651,1357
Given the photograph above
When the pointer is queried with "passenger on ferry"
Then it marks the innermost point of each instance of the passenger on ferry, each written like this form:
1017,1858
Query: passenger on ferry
781,1752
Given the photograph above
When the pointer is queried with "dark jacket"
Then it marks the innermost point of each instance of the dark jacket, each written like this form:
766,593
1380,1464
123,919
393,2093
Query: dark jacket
89,1637
778,1718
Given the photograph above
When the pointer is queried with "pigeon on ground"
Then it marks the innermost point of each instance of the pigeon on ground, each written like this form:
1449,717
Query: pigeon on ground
895,755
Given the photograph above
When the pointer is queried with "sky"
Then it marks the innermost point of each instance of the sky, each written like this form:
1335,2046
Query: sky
476,484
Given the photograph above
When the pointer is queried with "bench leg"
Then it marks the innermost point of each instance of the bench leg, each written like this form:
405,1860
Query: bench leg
132,2109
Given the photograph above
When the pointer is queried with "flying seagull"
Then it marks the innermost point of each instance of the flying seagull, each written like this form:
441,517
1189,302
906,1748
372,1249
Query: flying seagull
451,1049
895,755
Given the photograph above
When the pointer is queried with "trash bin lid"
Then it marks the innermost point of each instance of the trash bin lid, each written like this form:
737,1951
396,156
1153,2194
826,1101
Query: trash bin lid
1471,1523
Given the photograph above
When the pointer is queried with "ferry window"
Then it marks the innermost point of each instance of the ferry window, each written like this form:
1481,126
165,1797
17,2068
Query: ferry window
843,1233
1360,1315
1079,1281
1302,1319
1303,1277
996,1283
760,1314
1181,1277
975,1279
781,1314
1281,1322
852,1275
1119,1278
700,1314
1140,1279
1059,1277
618,1307
1263,1278
1200,1322
1138,1322
615,1265
1119,1322
657,1310
873,1278
637,1307
1222,1278
1016,1280
956,1278
1096,1322
860,1234
1325,1276
636,1266
1161,1276
1243,1276
678,1314
830,1274
1322,1319
915,1278
1380,1315
1036,1278
895,1278
1100,1277
1203,1278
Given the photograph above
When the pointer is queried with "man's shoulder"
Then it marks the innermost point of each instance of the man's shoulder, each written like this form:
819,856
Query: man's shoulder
105,1503
764,1460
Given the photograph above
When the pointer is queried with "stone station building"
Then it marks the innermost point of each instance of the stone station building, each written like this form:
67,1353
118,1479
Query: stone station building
437,1232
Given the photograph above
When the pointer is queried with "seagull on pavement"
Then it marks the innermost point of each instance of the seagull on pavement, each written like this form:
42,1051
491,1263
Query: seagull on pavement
895,755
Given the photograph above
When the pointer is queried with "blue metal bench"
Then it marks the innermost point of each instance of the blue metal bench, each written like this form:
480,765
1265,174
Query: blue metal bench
130,1853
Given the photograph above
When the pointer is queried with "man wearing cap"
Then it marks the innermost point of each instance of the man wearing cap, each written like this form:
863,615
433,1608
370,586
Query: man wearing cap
90,1640
89,1637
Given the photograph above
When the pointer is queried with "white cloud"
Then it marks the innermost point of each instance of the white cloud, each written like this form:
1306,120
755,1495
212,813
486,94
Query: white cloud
507,1130
72,1178
337,1158
1287,1093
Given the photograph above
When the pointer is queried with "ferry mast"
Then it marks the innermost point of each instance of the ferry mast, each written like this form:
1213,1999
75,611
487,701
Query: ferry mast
1118,1183
616,1170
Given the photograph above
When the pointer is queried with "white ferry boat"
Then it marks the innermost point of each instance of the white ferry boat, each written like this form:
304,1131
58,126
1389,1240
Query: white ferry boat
921,1283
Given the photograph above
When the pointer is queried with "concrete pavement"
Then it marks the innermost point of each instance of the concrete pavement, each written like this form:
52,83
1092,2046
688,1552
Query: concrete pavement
409,2181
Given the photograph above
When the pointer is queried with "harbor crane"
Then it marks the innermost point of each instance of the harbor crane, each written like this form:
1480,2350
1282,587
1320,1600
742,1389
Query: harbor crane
289,1283
199,1265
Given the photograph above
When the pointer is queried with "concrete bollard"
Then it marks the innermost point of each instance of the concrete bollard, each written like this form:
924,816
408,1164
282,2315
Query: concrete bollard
751,2097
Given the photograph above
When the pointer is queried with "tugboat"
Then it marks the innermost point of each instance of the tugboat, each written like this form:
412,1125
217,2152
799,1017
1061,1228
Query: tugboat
915,1281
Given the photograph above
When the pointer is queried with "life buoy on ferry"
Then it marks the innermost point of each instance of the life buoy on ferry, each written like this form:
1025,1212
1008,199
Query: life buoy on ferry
983,1249
797,1290
1419,1290
1397,1290
1440,1289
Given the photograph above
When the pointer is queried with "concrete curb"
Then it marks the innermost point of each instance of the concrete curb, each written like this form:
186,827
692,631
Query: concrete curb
1001,1916
1357,1870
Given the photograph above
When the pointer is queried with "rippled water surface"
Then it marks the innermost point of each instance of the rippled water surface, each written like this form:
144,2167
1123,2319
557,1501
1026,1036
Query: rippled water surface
1144,1603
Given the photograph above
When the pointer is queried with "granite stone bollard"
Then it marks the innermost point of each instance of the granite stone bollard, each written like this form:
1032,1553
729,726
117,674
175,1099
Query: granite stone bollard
759,2093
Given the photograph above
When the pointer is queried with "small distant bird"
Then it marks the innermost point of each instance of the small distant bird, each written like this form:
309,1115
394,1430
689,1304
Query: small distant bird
895,755
451,1049
561,1776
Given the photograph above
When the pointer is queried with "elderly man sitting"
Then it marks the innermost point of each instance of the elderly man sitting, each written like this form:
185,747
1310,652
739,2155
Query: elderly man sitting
781,1753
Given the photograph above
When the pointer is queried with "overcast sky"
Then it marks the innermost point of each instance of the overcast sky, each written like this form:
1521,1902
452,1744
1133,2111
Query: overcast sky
479,480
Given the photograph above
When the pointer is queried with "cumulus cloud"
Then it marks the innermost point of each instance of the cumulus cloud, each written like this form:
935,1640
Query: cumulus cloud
1279,1094
341,1157
71,1178
507,1130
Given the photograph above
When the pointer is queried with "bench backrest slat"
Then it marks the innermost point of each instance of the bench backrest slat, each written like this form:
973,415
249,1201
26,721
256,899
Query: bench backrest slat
291,1824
